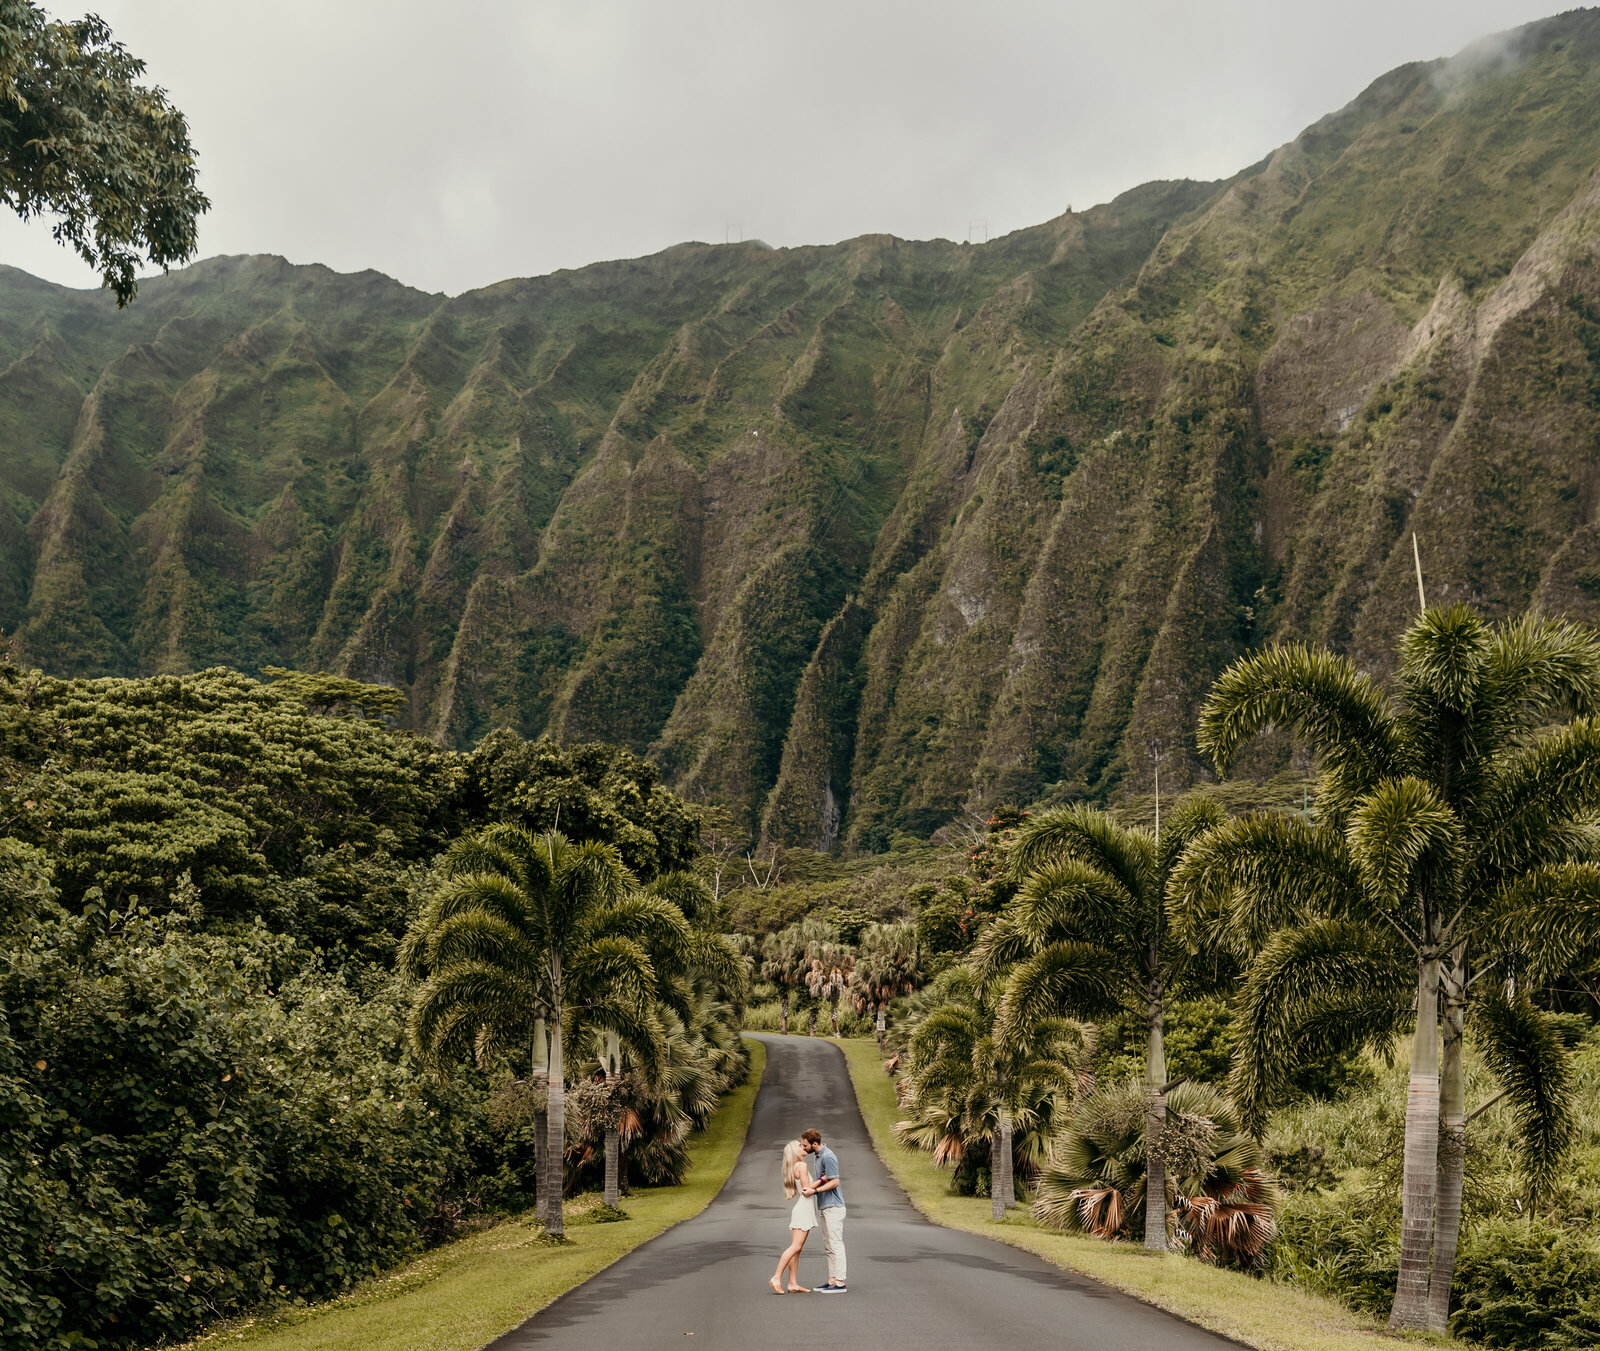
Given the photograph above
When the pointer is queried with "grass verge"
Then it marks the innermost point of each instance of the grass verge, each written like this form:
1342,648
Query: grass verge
464,1294
1258,1313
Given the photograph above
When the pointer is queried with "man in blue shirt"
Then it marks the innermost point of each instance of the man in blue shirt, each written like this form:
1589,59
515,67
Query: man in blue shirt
830,1210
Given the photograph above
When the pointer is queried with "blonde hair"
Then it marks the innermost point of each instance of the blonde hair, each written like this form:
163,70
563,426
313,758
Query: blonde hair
791,1156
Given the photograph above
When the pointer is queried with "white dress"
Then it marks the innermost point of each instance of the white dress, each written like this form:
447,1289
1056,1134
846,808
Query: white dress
804,1215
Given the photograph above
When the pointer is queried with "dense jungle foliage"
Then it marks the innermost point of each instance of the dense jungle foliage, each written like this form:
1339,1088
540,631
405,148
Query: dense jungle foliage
209,1097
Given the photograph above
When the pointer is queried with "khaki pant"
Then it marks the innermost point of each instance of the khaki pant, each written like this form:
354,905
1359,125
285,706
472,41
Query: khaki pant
833,1241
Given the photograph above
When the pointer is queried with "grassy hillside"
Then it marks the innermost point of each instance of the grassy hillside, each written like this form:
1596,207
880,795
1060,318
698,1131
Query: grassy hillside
856,538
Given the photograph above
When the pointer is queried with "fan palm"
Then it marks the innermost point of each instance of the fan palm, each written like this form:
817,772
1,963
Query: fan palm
1088,932
1449,819
784,961
831,965
656,1106
966,1084
686,966
887,966
1096,1179
524,925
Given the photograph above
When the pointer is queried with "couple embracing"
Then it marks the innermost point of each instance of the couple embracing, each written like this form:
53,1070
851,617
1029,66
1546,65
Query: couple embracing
817,1202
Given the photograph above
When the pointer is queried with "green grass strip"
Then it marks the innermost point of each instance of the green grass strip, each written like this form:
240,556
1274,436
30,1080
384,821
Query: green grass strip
463,1295
1256,1312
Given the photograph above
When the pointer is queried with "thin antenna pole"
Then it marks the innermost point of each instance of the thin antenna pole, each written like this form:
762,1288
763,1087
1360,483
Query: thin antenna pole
1416,553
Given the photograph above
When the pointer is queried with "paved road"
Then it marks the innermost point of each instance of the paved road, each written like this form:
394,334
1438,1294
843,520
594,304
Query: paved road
914,1285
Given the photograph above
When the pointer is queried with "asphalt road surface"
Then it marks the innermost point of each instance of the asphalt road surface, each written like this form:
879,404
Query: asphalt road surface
914,1285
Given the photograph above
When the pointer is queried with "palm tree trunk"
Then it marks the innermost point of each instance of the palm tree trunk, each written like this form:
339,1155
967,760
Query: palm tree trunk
541,1117
813,1030
783,1003
613,1135
1452,1141
613,1164
833,1011
882,1024
556,1134
1155,1121
1000,1188
1419,1189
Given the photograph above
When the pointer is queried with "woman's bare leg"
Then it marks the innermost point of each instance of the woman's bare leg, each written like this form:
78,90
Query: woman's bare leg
794,1264
789,1258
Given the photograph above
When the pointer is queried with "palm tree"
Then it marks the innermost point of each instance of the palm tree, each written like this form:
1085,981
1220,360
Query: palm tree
965,1084
831,965
1088,932
523,923
1095,1180
784,962
689,965
1443,815
887,966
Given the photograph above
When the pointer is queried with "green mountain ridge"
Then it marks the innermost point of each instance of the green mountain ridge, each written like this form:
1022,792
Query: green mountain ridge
857,538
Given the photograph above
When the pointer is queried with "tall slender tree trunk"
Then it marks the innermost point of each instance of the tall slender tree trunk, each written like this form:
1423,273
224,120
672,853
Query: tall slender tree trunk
556,1134
1419,1189
833,1012
613,1164
1001,1190
882,1024
541,1118
541,1165
1452,1139
783,1003
812,1031
1155,1120
613,1135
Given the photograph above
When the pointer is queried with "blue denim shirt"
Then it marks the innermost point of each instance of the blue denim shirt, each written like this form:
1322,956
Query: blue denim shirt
828,1166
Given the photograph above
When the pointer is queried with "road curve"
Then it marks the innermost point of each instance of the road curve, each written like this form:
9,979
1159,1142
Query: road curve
913,1285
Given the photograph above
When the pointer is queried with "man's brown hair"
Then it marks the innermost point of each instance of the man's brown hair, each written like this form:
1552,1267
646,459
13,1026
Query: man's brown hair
811,1137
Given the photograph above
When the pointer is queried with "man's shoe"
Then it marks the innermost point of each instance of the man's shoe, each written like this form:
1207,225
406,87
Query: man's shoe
830,1289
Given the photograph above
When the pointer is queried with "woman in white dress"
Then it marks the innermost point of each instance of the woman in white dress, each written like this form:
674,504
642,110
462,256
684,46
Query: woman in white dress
802,1219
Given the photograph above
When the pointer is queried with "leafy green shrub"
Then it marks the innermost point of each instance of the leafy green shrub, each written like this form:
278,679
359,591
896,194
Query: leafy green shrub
1343,1245
1528,1283
766,1017
182,1137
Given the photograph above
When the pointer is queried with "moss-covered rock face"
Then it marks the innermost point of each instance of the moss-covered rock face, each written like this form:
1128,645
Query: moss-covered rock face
853,539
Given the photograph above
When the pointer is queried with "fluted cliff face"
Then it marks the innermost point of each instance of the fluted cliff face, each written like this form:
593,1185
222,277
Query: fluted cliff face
854,538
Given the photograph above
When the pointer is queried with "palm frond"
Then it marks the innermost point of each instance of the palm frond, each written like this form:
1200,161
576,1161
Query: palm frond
483,937
1125,854
716,957
610,968
1550,914
454,1003
1540,668
1076,979
1067,899
650,920
1192,816
688,892
1525,1050
1395,827
1259,873
1540,802
1313,978
1332,705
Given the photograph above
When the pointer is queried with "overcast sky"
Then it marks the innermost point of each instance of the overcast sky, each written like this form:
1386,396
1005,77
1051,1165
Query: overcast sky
456,144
